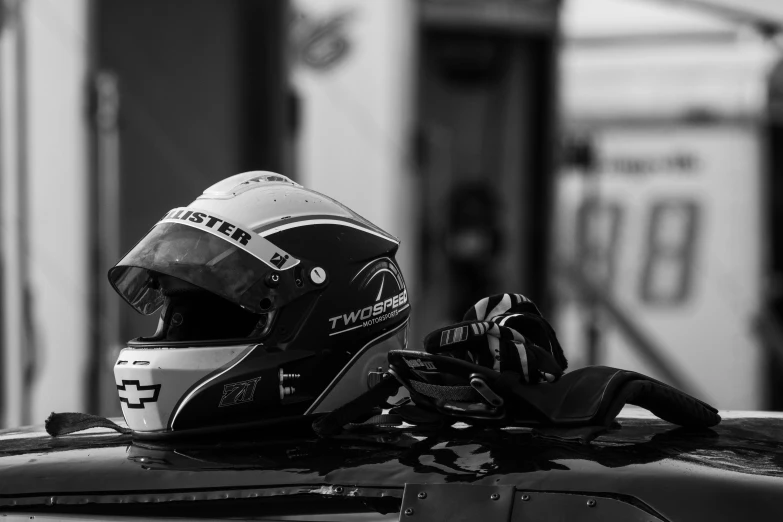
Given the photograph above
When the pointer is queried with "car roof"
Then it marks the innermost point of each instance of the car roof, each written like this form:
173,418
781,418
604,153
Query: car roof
732,470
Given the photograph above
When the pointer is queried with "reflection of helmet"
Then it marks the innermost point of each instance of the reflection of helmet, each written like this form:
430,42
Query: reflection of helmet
275,301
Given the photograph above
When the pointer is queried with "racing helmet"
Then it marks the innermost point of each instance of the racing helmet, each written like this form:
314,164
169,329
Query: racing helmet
275,301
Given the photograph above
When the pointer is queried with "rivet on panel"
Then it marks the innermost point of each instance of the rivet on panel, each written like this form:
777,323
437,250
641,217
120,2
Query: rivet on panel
494,496
525,497
338,489
409,511
591,503
422,495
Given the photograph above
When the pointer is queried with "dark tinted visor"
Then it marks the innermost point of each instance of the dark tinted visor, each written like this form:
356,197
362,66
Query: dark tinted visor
200,257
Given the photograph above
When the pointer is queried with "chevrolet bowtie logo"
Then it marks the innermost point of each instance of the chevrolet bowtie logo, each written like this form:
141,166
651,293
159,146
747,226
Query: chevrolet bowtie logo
135,395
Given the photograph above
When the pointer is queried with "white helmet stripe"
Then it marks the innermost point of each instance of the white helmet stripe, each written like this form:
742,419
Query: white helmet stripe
233,233
304,223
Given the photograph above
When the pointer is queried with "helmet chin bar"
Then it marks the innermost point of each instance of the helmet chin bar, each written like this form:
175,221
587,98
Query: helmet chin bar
164,390
180,389
151,382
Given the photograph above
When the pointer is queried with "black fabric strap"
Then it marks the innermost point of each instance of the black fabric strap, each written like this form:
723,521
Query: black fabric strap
64,423
447,393
594,395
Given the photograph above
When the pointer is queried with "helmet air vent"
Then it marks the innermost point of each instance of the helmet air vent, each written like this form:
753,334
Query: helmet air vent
235,185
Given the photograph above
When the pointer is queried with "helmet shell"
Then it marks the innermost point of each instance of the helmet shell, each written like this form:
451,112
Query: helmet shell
328,334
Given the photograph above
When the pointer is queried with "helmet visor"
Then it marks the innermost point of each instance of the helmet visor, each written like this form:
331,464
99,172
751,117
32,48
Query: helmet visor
209,252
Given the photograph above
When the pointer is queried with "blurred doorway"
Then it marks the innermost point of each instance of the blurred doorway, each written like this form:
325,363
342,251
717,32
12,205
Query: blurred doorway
485,108
200,91
771,317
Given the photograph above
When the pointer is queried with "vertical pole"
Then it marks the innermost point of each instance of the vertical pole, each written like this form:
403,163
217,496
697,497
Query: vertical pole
540,197
591,195
263,33
16,373
3,132
107,164
28,348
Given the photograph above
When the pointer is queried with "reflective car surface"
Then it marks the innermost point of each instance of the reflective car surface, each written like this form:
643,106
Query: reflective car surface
647,470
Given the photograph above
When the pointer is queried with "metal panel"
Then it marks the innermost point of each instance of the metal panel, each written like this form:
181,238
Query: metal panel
456,502
543,507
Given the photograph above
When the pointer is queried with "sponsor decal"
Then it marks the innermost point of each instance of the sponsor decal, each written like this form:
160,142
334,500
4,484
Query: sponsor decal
134,395
279,260
418,363
238,392
233,233
455,335
389,299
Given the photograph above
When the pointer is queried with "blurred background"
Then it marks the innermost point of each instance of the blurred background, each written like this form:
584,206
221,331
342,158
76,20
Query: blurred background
617,161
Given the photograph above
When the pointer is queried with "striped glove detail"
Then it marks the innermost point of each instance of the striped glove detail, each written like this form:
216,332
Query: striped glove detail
505,332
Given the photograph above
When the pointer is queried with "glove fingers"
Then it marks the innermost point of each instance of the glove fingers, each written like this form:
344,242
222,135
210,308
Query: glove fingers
672,405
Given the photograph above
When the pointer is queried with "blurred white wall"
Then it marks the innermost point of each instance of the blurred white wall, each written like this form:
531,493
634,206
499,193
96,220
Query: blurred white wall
353,71
49,119
673,100
599,18
59,171
647,58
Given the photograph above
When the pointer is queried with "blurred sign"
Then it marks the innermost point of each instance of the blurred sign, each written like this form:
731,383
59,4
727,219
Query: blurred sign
509,15
669,225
